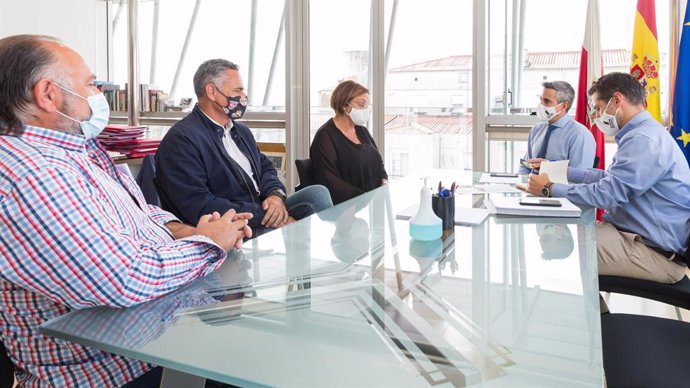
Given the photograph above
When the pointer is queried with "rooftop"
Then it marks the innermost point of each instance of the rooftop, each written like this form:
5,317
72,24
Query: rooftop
534,61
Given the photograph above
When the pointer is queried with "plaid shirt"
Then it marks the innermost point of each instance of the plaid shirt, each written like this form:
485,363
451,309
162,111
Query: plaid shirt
76,233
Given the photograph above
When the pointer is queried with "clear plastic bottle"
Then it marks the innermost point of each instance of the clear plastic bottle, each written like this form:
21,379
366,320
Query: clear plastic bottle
425,225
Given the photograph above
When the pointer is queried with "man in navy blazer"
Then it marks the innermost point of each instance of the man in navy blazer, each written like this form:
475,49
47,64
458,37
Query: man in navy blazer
210,162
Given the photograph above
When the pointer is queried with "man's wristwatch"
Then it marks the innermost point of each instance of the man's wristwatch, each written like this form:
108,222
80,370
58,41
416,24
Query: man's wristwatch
278,193
546,189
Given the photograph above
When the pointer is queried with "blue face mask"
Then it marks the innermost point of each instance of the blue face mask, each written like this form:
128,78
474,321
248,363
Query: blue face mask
100,114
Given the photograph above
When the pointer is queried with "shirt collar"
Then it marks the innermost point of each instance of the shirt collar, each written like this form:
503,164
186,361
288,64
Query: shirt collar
560,123
65,140
227,128
632,123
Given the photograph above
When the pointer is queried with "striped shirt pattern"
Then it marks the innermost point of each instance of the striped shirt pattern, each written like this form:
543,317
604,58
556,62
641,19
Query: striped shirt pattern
76,233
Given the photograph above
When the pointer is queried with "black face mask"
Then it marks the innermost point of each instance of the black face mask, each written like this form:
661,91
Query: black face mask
236,105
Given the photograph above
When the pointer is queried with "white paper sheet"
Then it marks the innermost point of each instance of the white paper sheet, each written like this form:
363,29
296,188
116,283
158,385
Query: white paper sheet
487,178
557,170
497,188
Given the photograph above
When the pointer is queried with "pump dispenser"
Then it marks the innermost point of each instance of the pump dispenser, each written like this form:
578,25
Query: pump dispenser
425,225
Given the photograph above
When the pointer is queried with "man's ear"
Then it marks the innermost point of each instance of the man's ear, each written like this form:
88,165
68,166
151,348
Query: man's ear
46,95
210,92
566,106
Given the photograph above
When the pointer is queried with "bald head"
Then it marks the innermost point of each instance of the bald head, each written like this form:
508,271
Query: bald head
29,64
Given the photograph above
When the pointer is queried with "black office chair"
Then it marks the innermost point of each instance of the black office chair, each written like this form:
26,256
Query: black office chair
643,351
145,180
6,368
165,202
676,294
305,173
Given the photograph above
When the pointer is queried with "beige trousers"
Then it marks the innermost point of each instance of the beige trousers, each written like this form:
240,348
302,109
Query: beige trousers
624,254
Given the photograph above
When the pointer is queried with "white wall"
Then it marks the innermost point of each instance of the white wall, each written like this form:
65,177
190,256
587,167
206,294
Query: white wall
81,24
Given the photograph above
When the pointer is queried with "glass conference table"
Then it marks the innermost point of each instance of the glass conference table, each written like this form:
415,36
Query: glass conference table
346,298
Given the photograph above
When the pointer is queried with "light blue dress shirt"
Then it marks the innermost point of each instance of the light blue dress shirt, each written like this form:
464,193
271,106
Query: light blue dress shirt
570,140
645,191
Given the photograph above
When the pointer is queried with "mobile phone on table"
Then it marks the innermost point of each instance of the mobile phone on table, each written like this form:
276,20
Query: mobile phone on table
503,175
532,201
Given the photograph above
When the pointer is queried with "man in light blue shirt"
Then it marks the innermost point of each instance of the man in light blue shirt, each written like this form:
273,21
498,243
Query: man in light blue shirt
645,191
558,137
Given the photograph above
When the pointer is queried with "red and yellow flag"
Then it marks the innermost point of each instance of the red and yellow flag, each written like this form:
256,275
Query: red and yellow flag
645,55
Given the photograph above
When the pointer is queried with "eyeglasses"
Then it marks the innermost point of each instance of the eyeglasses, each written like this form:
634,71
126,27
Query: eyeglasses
360,104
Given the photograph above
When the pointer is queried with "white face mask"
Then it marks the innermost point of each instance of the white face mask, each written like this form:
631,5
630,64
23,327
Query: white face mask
360,116
546,113
100,114
607,122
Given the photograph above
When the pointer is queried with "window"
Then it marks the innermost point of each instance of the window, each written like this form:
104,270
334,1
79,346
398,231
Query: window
546,46
254,40
428,85
339,46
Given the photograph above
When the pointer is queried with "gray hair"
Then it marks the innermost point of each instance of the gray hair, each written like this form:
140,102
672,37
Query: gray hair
564,92
24,60
211,72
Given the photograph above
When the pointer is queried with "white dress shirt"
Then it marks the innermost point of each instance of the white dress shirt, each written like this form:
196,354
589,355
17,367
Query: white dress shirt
234,151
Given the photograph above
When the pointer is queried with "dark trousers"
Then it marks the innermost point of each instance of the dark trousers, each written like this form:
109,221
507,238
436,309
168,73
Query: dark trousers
6,369
150,379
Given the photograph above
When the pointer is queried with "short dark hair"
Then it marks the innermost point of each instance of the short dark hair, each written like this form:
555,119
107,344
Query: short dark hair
24,60
623,83
210,72
564,92
344,93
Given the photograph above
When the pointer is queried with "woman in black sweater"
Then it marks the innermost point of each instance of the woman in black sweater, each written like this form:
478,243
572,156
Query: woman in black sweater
344,156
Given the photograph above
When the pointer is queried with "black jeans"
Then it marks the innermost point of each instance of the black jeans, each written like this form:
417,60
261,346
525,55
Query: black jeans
150,379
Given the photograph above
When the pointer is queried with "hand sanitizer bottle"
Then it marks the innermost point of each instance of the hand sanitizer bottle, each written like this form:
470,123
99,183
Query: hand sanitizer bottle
425,225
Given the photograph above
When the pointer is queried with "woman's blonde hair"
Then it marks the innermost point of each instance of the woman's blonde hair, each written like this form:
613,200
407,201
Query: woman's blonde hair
344,93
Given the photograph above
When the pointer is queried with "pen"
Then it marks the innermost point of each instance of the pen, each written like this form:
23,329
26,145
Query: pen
452,188
440,187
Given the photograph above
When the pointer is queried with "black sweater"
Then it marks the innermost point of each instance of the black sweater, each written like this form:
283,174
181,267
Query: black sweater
345,168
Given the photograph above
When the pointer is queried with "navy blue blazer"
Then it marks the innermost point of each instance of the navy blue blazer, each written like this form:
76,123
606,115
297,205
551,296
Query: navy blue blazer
197,175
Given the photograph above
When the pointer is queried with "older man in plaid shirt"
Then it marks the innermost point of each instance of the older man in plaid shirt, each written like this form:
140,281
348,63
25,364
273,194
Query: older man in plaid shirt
75,233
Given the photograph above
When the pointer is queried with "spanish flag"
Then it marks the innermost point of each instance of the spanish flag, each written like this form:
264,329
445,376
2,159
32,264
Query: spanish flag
645,55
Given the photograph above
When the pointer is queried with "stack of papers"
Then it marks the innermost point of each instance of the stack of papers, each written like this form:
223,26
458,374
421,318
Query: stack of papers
490,177
512,206
463,216
137,148
128,140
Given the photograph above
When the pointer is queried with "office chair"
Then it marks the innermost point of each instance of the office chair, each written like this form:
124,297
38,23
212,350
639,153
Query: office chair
676,294
305,173
162,197
145,180
644,351
6,368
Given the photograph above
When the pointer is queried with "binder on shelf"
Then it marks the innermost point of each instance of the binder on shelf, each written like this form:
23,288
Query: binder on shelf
511,206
